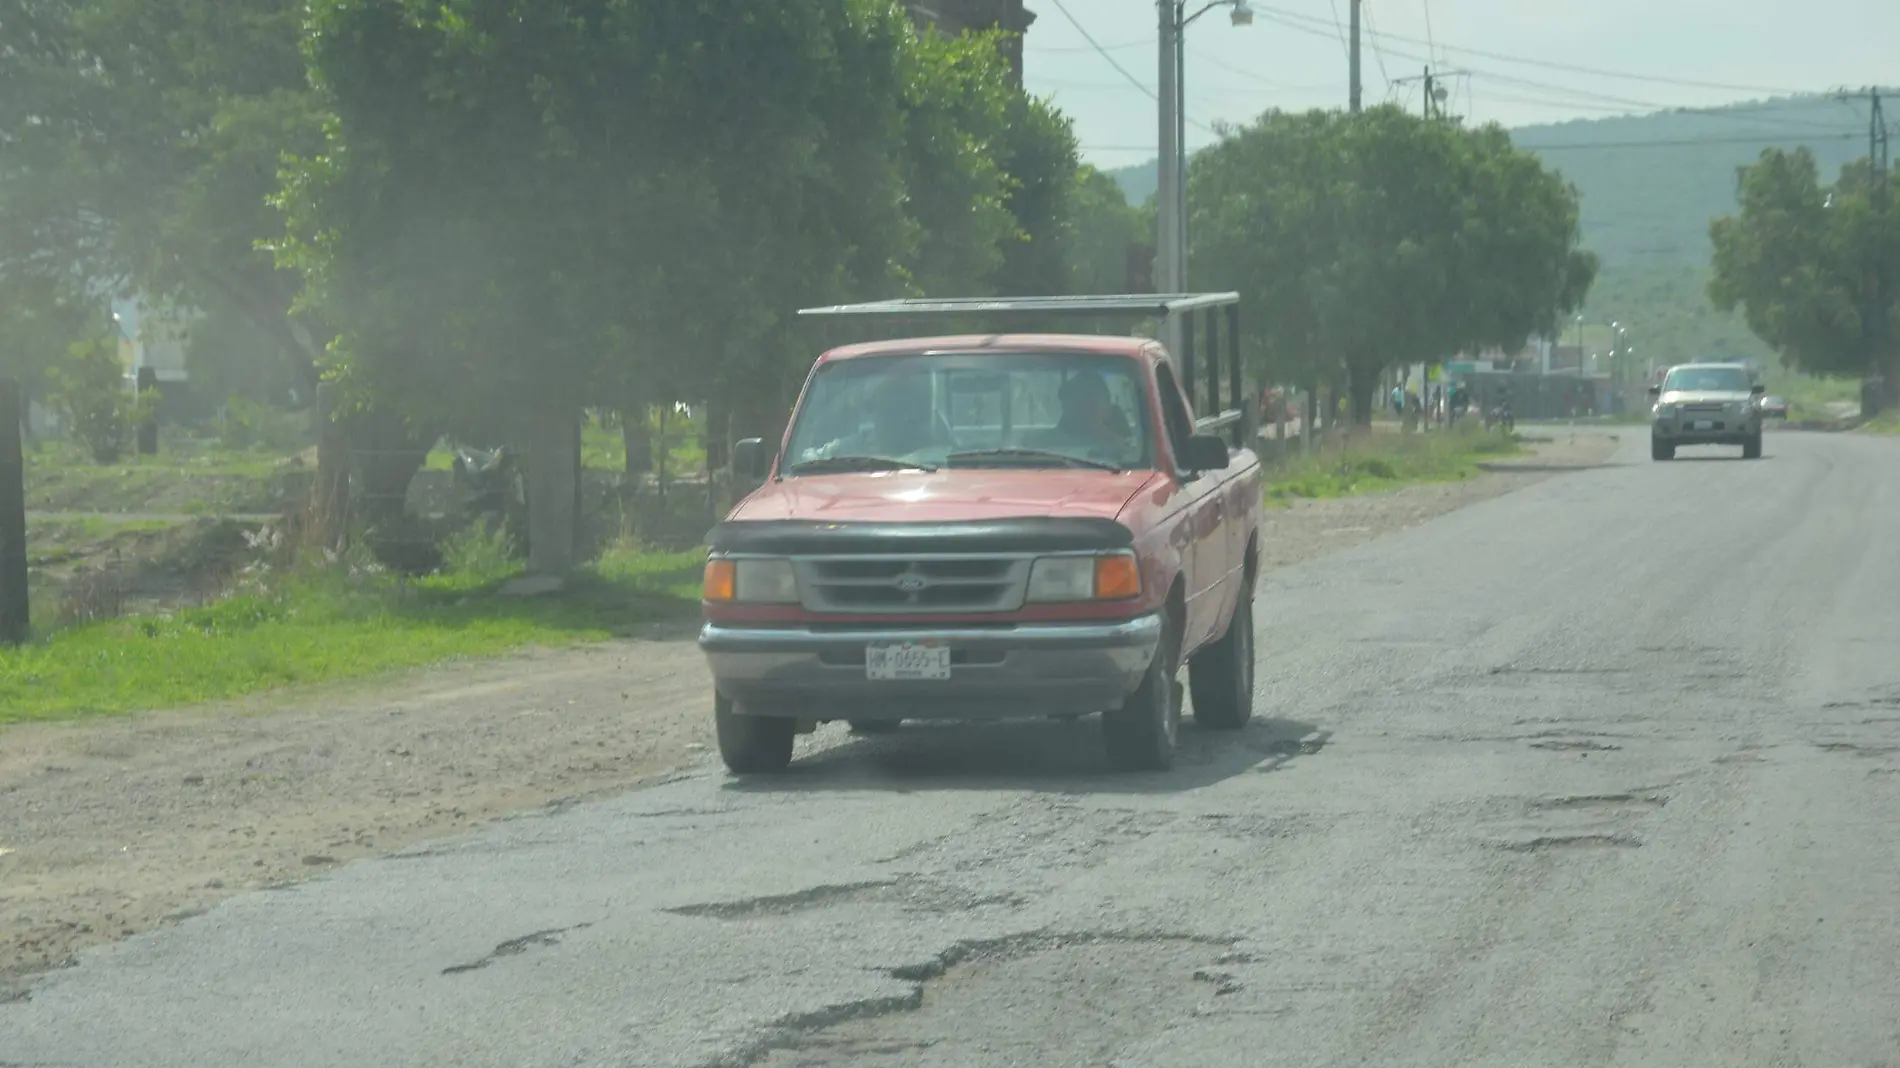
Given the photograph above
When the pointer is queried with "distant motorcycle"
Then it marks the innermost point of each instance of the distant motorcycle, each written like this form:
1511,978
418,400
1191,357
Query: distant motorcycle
1499,416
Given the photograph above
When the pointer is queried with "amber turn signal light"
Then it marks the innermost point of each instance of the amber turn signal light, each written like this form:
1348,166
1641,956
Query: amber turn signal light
722,580
1117,578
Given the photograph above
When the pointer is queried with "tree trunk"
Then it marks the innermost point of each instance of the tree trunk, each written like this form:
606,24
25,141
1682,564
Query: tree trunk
332,503
1311,417
1361,387
553,489
714,425
637,437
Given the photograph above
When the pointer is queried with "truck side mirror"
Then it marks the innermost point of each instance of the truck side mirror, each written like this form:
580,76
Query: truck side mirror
1655,391
1204,452
750,460
1758,389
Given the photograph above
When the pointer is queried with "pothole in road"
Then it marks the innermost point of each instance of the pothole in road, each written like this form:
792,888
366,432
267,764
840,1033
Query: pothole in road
908,894
1555,842
1046,1000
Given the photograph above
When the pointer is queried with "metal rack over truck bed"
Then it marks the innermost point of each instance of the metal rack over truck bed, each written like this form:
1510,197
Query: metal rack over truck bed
1208,324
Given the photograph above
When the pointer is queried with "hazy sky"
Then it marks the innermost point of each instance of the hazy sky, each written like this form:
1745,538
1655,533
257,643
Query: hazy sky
1293,57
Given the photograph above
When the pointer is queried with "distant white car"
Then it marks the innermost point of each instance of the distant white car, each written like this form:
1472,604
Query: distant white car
1774,407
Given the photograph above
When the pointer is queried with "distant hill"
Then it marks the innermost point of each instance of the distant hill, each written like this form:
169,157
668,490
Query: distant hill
1650,186
1652,183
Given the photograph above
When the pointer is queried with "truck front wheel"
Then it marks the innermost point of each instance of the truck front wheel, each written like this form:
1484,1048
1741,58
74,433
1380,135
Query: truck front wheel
1222,674
752,745
1141,734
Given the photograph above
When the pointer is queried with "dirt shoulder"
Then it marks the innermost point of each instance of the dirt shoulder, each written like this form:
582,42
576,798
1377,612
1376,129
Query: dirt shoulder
110,827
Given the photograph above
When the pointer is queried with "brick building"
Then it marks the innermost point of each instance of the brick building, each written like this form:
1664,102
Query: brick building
958,16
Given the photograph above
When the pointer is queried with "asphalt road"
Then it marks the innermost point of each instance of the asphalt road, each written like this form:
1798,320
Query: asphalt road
1602,772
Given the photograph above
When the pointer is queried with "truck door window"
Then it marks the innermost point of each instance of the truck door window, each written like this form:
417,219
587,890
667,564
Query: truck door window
1173,409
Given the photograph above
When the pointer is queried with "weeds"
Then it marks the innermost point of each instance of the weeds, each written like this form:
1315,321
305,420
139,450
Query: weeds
1370,462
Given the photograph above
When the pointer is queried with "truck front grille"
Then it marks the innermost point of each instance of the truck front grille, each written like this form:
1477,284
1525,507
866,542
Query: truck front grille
897,584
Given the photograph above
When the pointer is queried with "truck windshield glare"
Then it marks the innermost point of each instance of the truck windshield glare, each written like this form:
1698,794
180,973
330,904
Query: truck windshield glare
975,410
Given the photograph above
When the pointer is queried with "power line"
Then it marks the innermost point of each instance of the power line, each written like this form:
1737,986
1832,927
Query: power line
1119,69
1728,111
1372,36
1213,60
1548,65
1685,142
1119,47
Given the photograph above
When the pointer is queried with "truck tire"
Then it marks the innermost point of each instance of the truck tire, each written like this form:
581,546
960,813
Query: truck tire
1660,451
1221,675
874,726
752,745
1751,448
1141,733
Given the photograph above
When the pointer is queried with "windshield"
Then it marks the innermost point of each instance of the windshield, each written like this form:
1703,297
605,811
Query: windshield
974,410
1707,380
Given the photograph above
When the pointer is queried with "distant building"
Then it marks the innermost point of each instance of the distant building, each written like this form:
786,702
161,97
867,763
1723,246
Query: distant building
955,17
155,336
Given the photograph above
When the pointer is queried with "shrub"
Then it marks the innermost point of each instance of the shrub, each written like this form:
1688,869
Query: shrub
90,391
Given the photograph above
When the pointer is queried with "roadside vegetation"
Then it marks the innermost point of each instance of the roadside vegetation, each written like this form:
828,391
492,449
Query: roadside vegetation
1375,462
288,624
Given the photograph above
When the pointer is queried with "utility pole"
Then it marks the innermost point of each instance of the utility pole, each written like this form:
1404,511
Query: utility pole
1167,278
1435,91
14,617
1879,362
1353,62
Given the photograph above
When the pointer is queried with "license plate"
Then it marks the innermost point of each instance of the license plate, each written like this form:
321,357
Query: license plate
907,661
1703,424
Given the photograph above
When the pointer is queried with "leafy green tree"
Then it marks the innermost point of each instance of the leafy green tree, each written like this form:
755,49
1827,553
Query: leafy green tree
1366,242
1802,261
1101,227
143,138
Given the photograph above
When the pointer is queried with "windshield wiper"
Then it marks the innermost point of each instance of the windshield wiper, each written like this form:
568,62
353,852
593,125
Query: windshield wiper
1031,455
857,463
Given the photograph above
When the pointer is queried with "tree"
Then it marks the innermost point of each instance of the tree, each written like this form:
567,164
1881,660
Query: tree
1801,260
1365,242
143,138
1100,229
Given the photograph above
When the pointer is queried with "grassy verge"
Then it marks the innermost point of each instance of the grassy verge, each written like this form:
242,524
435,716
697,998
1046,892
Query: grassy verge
1887,423
186,478
1370,463
319,626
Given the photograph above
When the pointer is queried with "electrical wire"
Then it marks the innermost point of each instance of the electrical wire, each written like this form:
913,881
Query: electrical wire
1119,69
1373,36
1548,65
1216,61
1686,142
1727,111
1341,28
1120,47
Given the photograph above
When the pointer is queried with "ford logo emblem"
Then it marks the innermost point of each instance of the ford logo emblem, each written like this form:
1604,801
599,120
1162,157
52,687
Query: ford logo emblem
912,583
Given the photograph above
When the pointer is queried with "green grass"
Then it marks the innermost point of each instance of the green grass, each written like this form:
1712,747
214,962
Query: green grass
322,627
185,478
1886,423
1376,462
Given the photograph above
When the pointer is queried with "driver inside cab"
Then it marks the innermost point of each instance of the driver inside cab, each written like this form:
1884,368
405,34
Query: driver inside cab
1089,416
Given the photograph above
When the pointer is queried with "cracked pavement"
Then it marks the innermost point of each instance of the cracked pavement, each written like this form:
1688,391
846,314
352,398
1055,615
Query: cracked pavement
1605,771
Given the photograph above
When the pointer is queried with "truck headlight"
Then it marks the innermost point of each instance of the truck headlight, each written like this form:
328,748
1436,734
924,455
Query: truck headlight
763,580
1104,577
1665,411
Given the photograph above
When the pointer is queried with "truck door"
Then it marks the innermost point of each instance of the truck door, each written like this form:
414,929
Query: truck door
1203,529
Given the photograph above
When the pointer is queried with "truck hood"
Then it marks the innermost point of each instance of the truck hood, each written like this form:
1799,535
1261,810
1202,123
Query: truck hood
951,495
1723,396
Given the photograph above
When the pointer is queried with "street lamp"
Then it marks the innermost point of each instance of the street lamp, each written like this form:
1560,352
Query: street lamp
1171,187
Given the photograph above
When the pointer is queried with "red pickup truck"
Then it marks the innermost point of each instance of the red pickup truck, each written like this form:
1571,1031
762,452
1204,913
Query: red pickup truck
989,526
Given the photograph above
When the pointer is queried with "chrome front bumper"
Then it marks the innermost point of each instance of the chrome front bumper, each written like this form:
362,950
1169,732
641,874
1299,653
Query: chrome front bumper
996,672
1726,428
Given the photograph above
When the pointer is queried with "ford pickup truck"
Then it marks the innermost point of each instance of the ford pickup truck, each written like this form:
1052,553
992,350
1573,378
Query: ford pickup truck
990,526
